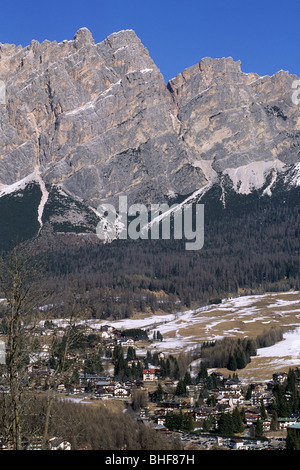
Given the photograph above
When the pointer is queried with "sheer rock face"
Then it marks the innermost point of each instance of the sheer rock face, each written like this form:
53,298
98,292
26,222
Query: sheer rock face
237,124
99,121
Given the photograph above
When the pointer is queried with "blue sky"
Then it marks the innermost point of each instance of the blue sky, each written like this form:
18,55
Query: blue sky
264,35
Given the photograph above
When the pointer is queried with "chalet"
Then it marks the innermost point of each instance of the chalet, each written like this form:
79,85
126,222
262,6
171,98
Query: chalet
148,375
134,383
193,389
45,348
217,375
75,389
106,332
169,405
286,422
258,397
120,391
236,399
116,389
233,384
160,428
224,408
132,363
237,444
126,342
59,444
161,420
203,413
4,446
229,397
106,335
280,377
251,418
219,440
259,387
102,385
106,328
109,332
91,378
266,424
171,383
152,396
116,333
35,444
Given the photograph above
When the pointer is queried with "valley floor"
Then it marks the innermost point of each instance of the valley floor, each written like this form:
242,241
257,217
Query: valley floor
235,317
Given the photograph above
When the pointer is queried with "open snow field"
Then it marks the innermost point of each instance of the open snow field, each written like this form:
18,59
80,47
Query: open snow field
245,316
235,317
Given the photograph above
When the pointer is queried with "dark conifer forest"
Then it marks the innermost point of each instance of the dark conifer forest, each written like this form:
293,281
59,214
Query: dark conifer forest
251,246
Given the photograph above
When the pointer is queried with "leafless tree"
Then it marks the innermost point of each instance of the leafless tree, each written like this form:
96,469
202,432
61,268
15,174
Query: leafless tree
62,370
19,273
22,286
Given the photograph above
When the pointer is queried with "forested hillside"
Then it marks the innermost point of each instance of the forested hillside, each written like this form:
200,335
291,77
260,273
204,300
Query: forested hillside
251,246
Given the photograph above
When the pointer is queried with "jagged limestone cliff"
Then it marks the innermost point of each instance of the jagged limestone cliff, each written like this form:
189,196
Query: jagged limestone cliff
98,120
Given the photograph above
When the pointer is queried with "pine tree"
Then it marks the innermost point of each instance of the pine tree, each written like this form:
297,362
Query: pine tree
232,365
187,422
173,421
274,421
159,336
292,441
187,378
248,393
211,401
258,429
241,361
206,425
155,359
159,392
225,425
131,354
176,372
181,388
237,421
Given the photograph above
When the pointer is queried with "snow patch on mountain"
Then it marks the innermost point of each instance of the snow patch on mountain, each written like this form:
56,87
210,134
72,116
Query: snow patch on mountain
293,177
17,186
252,176
44,197
20,185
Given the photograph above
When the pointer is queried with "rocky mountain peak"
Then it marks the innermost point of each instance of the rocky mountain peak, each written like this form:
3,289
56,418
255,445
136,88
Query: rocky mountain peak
83,37
98,120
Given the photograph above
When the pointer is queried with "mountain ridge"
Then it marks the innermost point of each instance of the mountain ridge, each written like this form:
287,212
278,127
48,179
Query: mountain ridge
97,121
